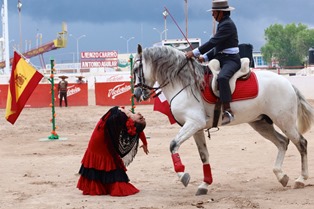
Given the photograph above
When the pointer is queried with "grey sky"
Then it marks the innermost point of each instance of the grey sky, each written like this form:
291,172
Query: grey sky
104,21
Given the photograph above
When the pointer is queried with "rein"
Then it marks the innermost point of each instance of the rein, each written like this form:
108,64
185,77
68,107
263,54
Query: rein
141,78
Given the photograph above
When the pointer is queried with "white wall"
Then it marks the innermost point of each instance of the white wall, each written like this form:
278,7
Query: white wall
305,84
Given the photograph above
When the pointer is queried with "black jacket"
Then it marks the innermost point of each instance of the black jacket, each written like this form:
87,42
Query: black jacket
225,37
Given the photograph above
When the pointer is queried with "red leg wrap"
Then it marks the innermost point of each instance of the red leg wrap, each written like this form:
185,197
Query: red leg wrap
207,174
178,166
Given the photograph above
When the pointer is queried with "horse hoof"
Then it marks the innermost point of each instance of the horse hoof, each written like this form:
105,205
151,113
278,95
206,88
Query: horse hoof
284,180
201,191
185,179
298,185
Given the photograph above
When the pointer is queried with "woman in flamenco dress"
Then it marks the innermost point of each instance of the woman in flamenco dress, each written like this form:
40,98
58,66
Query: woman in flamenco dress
112,146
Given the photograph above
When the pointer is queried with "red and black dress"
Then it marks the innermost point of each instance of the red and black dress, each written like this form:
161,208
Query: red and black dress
110,150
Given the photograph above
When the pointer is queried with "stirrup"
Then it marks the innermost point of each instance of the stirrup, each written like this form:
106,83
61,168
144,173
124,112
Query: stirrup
227,117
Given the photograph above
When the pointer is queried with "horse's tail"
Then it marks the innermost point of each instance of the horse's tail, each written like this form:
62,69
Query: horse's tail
305,113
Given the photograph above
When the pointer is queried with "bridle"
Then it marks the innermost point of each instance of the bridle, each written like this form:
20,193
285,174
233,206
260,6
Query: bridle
141,84
141,77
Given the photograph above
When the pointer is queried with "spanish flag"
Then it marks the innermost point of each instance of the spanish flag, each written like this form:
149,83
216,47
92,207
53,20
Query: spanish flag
23,81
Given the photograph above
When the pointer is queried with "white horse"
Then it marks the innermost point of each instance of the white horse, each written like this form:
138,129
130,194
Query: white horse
278,103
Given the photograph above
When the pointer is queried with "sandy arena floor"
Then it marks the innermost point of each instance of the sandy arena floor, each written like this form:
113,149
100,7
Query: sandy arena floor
43,174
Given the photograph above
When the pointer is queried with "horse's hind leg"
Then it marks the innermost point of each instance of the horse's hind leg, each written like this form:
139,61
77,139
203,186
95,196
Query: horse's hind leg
266,129
301,143
200,141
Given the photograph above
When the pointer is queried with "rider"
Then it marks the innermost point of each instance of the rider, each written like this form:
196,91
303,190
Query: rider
223,46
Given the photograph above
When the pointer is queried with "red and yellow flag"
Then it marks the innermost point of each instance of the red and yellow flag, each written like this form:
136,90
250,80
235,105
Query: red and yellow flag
23,81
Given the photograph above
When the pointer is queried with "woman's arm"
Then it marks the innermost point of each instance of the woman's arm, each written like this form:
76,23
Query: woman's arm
144,141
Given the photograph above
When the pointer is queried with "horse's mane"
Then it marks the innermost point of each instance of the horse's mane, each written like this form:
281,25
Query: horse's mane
170,64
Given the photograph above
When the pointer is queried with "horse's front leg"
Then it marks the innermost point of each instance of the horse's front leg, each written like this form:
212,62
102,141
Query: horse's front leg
187,130
200,141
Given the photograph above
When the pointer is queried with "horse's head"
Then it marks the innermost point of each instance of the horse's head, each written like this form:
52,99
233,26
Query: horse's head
166,65
142,82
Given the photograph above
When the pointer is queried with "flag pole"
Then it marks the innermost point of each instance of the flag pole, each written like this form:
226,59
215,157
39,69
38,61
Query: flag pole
6,38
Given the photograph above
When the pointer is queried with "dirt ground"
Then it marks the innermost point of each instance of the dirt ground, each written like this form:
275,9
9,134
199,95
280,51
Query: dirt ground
39,173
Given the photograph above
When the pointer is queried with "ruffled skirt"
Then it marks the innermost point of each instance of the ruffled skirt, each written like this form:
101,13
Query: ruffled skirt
107,179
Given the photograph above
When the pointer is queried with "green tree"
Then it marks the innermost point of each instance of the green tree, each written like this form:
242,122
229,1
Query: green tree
304,40
287,44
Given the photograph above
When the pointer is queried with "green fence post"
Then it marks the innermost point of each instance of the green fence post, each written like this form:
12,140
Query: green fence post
132,83
54,134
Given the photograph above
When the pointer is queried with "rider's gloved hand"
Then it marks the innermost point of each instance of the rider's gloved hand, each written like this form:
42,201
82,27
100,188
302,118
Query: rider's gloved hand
189,54
201,59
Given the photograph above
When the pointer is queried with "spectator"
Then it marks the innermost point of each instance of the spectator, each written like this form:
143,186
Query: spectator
63,89
80,79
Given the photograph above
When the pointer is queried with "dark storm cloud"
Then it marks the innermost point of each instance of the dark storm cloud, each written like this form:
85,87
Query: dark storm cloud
104,11
285,11
105,21
96,11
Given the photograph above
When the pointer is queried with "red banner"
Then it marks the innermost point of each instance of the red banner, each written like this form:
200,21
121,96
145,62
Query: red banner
41,97
106,93
77,94
3,95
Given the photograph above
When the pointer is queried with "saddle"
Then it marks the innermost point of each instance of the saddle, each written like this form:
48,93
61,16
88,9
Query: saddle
243,84
242,74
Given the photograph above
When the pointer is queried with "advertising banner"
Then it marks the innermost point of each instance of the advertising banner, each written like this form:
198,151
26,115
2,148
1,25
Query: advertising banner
115,94
41,96
111,89
114,89
100,59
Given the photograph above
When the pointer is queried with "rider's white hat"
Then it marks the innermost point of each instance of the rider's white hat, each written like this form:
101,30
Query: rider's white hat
221,5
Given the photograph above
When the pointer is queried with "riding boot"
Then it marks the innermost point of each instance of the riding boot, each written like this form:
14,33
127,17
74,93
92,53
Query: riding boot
227,115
